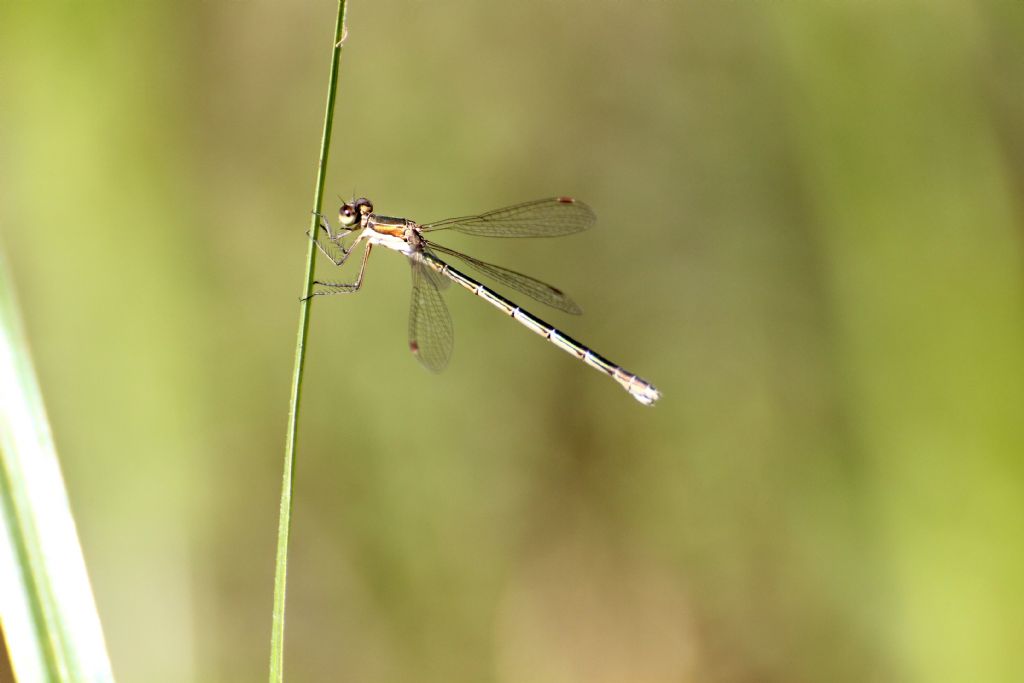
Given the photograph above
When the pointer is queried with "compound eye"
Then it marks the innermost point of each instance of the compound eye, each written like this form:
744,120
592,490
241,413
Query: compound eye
347,215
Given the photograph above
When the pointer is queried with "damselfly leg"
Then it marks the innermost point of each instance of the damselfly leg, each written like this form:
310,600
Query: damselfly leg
330,244
344,287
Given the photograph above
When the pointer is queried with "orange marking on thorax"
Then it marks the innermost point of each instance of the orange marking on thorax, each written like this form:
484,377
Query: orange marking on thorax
395,231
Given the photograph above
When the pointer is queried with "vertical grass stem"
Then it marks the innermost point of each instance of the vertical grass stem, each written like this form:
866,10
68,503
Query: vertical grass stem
287,483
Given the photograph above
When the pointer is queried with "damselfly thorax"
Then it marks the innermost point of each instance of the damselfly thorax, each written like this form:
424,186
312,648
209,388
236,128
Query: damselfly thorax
430,328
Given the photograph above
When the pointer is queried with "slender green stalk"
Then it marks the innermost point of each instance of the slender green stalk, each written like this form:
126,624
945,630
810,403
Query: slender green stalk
47,607
287,483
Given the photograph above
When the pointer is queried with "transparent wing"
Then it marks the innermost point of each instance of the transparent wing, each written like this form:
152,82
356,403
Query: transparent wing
531,287
431,336
541,218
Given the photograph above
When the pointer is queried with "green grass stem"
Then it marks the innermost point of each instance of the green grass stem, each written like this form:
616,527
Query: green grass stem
288,478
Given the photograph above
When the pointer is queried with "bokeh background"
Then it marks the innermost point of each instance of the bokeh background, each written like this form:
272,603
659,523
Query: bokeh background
810,239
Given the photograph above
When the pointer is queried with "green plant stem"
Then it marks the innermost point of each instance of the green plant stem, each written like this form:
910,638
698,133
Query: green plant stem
287,483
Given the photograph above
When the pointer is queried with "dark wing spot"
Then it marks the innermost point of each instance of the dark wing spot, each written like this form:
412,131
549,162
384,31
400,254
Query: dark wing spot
414,346
566,200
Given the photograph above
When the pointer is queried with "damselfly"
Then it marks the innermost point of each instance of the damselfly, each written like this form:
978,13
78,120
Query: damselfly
430,326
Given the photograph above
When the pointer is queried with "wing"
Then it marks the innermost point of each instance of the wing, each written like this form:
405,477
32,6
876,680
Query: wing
541,218
533,288
431,336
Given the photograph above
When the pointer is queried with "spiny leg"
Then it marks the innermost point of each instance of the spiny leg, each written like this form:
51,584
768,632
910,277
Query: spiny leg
332,247
335,251
345,287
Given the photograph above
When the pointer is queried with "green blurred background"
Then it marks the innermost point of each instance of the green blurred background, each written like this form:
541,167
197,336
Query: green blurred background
809,237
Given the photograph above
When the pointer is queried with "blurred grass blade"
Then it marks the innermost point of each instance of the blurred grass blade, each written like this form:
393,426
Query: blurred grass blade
47,610
288,478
